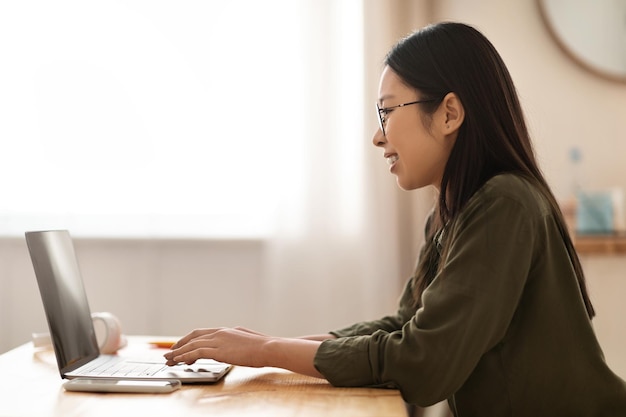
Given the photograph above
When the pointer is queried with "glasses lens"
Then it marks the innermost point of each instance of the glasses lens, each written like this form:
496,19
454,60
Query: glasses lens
381,121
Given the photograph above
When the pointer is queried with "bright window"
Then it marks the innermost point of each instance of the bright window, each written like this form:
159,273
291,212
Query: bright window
148,118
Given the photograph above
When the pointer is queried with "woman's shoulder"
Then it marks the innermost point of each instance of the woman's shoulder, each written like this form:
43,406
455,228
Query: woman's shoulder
516,189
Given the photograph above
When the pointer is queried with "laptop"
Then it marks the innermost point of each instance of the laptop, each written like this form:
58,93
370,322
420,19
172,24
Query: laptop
71,327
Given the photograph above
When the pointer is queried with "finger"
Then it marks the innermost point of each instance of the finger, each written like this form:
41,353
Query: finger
189,336
179,347
193,335
199,343
193,355
171,362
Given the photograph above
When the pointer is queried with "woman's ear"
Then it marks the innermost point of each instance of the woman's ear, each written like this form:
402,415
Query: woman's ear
452,113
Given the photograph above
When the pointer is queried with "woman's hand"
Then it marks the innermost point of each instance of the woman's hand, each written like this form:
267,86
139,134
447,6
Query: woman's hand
240,346
237,346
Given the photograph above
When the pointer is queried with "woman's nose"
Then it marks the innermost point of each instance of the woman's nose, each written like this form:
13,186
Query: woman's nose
379,139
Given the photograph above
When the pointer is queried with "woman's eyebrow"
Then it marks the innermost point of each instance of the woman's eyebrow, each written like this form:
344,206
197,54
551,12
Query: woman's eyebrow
385,97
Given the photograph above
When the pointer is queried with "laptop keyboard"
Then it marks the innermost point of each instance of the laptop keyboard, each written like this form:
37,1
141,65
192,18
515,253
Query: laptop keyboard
127,368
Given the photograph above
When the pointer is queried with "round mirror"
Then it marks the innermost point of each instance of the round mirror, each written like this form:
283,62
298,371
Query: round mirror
592,32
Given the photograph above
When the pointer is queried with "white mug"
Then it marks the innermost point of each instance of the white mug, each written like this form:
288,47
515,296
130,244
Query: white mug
108,333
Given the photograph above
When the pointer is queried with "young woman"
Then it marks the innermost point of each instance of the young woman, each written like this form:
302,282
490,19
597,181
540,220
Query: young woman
496,319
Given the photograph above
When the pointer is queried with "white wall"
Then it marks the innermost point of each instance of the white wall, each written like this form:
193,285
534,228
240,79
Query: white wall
565,105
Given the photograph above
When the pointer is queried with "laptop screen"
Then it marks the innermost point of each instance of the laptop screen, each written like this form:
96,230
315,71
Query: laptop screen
64,299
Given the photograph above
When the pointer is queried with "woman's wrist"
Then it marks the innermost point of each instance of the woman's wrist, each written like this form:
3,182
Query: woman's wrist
296,355
318,337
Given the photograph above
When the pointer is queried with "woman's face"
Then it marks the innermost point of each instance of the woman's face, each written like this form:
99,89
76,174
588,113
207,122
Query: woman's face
416,154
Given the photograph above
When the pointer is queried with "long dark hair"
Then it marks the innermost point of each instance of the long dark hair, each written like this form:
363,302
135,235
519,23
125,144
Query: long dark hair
493,139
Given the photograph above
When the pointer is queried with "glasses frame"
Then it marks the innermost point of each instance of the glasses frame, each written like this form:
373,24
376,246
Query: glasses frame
382,112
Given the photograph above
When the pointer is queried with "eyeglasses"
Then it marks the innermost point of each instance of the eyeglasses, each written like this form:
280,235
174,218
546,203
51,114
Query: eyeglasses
382,113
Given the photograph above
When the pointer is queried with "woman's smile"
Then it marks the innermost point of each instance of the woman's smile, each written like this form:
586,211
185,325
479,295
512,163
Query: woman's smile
391,159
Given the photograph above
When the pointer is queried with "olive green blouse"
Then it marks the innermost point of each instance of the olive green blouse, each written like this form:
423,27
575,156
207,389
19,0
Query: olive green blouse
502,330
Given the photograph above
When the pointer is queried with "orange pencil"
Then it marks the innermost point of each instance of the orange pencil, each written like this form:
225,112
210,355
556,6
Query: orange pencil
163,344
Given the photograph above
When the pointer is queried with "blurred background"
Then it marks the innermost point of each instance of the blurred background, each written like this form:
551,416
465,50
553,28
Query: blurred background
213,159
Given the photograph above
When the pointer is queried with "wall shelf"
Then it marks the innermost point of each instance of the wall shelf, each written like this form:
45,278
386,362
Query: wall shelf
614,244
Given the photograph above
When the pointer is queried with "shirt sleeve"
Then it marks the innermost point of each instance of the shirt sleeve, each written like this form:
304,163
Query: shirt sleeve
465,311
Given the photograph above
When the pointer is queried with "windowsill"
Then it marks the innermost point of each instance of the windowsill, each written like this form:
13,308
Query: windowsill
609,244
141,226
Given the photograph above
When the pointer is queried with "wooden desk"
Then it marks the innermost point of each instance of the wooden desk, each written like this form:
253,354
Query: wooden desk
31,386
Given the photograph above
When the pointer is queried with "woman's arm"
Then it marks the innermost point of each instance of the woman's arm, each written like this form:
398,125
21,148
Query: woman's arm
465,311
239,346
318,337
